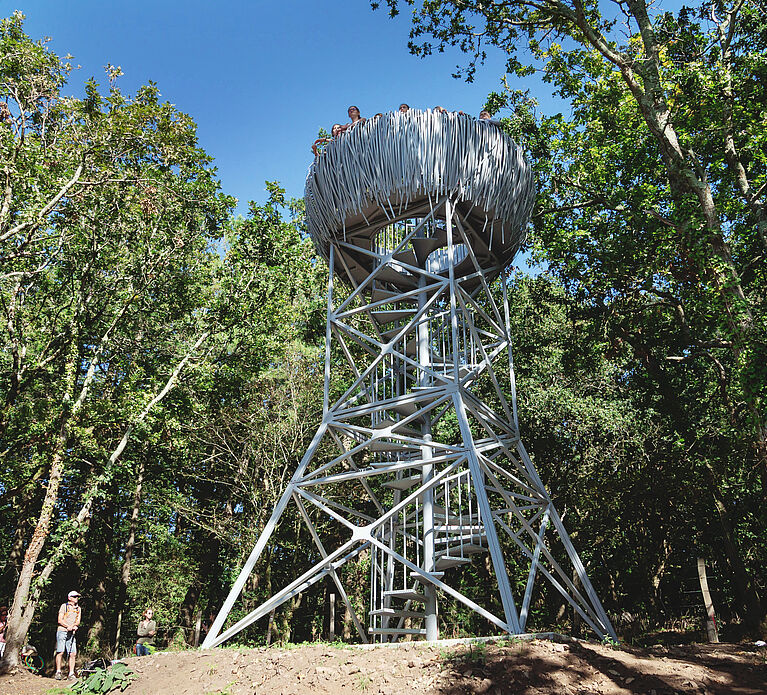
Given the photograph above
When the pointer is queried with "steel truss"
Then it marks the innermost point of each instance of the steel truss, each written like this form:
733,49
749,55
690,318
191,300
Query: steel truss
427,469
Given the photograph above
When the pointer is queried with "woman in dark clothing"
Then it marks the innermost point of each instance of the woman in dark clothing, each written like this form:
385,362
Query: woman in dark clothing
146,630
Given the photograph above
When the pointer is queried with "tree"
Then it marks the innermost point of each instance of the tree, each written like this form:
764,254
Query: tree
109,209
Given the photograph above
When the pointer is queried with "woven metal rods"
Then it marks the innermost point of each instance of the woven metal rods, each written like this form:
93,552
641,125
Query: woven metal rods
399,159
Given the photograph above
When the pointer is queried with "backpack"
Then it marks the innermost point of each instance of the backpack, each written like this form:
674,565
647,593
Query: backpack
69,609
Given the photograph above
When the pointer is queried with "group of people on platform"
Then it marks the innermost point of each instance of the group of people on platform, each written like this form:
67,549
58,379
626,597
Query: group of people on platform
356,120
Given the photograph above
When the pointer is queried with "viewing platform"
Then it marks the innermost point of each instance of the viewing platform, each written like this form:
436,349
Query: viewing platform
402,166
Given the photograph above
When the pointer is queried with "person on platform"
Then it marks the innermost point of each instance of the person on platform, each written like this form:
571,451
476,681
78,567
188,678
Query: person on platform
356,119
404,108
145,632
66,629
485,117
335,131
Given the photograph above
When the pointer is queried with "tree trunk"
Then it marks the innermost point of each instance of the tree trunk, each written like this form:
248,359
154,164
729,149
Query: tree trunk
190,605
687,174
129,546
749,599
268,589
657,578
97,570
22,503
98,610
286,617
270,628
22,611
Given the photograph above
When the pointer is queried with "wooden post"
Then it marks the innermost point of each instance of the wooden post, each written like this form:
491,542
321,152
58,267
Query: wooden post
270,627
332,619
711,630
197,628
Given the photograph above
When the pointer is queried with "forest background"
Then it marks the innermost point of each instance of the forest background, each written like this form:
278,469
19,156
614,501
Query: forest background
160,372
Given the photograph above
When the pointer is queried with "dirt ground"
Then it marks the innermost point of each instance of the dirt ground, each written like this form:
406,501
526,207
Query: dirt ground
538,667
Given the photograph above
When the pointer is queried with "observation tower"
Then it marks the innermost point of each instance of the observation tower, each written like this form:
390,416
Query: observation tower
418,468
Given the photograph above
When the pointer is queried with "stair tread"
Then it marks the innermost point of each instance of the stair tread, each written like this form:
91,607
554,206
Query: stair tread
389,315
406,594
407,256
404,483
457,550
408,408
446,561
397,613
468,539
423,247
388,334
417,574
394,277
378,294
396,427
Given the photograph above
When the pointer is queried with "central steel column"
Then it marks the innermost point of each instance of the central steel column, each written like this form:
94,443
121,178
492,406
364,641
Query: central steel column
424,359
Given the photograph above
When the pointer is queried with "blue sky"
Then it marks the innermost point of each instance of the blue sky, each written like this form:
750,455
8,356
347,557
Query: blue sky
259,78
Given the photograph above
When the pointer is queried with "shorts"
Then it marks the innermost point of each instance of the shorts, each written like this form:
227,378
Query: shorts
66,642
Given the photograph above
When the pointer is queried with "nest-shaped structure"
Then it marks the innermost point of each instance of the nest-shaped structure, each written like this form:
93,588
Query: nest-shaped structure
401,164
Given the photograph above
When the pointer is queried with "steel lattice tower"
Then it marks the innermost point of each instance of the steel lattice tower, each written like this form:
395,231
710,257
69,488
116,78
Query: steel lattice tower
418,214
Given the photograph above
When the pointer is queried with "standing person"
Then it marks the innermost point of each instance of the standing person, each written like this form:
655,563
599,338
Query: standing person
404,108
146,630
3,625
485,117
68,622
335,131
354,114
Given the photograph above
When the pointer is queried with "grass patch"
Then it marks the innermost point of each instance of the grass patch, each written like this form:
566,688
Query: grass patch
475,654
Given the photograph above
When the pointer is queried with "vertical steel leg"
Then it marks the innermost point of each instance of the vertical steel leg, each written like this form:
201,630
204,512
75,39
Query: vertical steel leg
424,358
501,576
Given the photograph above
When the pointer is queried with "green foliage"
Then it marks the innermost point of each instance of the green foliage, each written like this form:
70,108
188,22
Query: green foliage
117,677
470,653
113,266
640,356
650,215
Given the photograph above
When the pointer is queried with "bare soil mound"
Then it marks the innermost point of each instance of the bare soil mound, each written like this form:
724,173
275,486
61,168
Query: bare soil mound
524,668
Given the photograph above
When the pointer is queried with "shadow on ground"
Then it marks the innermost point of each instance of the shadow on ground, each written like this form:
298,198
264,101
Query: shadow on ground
575,668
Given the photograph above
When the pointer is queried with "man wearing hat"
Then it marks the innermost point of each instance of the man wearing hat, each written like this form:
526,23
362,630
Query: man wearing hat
69,621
